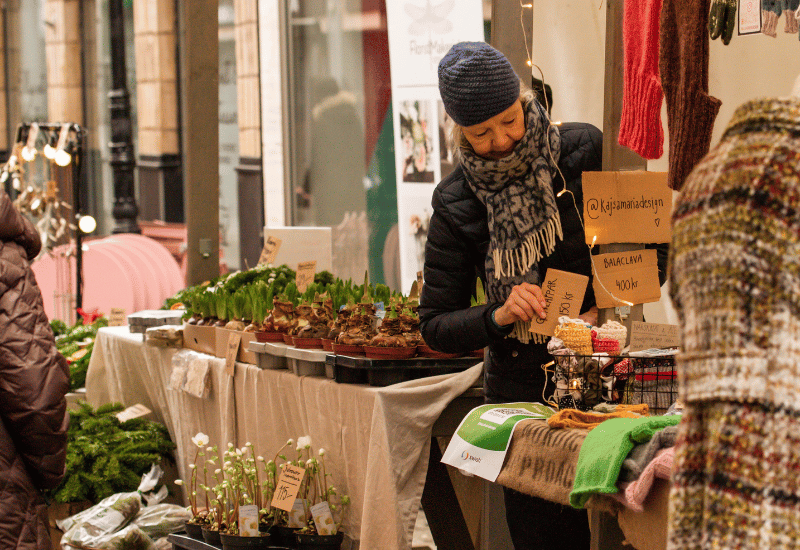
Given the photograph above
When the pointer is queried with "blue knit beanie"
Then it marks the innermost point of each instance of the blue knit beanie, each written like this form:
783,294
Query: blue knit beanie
476,82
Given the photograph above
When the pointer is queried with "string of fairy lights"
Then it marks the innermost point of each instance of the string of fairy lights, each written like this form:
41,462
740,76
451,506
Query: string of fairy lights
523,7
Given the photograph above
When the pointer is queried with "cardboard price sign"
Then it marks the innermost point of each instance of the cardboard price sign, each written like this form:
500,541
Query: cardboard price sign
629,276
305,275
116,318
134,411
654,335
287,487
563,292
614,202
234,340
270,250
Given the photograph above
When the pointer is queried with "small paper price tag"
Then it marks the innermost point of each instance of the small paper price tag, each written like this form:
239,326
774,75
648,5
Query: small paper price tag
297,515
323,519
134,411
622,277
563,292
750,17
234,340
116,318
271,247
248,520
287,487
305,275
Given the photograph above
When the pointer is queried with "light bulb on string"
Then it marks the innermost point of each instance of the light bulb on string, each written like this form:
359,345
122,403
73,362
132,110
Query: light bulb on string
29,151
62,157
87,224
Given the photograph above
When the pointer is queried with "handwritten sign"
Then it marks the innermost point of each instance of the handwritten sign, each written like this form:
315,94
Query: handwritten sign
117,317
626,277
305,275
287,487
654,335
270,250
615,202
234,340
563,292
248,520
132,412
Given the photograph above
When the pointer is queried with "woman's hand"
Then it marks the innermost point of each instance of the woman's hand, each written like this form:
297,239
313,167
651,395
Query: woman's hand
524,303
590,316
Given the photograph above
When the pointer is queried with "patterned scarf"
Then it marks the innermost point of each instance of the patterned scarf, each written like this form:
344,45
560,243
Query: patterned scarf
522,213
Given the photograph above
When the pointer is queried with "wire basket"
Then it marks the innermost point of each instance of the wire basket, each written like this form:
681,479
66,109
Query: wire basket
584,381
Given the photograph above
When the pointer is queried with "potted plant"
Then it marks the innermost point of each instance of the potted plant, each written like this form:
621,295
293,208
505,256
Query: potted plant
199,516
323,504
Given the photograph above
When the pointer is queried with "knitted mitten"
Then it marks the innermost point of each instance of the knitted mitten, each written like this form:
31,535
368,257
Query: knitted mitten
722,20
789,7
770,12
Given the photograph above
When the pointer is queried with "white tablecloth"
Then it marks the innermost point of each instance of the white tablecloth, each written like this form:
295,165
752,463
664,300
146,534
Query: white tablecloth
376,439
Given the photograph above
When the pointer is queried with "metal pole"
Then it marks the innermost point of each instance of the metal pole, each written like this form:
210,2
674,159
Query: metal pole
122,162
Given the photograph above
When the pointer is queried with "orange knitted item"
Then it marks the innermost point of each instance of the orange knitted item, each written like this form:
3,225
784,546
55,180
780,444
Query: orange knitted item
573,418
576,335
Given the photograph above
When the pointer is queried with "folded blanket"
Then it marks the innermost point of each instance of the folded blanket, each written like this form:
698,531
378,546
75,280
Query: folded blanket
643,454
605,448
573,418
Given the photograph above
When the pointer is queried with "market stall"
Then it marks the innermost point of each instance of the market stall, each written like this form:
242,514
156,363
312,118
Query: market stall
377,439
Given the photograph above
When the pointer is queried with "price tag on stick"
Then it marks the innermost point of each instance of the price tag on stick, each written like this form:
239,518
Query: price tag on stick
305,275
287,487
271,247
234,340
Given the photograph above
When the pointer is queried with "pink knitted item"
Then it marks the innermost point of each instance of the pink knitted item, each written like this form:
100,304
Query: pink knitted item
604,345
623,369
640,126
634,493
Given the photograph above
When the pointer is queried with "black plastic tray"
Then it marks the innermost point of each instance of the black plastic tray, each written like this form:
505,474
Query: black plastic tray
385,372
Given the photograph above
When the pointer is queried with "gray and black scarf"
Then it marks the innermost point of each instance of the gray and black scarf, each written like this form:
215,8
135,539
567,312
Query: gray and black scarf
523,217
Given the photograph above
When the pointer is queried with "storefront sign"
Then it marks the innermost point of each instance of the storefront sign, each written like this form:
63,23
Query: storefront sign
626,207
654,335
563,292
305,275
421,32
271,247
480,443
287,487
625,278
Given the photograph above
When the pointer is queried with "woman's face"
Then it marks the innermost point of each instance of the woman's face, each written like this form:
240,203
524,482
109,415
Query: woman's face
497,137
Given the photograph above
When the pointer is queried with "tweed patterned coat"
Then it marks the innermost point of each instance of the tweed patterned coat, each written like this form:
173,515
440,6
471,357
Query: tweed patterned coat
735,275
34,379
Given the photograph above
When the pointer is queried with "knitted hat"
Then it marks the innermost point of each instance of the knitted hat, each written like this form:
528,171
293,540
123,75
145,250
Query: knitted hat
734,262
476,82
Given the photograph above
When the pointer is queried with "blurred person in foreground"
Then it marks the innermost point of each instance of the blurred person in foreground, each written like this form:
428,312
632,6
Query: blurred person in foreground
34,379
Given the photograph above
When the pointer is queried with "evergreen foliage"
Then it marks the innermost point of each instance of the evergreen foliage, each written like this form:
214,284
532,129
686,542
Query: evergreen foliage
106,456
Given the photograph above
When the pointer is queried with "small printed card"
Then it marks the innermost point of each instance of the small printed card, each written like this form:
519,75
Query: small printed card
248,520
323,519
305,275
287,487
234,339
749,17
297,514
132,412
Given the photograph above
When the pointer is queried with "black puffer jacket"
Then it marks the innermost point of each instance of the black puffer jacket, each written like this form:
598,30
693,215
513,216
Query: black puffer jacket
34,379
458,240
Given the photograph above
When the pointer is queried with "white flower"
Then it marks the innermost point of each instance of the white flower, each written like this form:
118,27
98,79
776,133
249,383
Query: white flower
290,442
217,472
321,452
178,482
201,439
192,466
248,444
227,464
260,458
238,452
303,442
309,463
210,449
230,445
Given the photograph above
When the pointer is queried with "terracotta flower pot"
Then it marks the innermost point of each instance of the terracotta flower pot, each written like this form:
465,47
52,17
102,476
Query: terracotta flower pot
268,336
327,344
307,343
319,542
376,352
287,339
425,351
348,349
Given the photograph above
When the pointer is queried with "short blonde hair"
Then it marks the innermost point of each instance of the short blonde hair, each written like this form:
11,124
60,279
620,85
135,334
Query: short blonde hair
456,136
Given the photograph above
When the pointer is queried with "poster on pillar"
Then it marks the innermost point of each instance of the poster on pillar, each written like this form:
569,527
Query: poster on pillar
420,33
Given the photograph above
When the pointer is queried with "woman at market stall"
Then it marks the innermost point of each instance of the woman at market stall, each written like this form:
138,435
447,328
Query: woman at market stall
34,380
498,216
